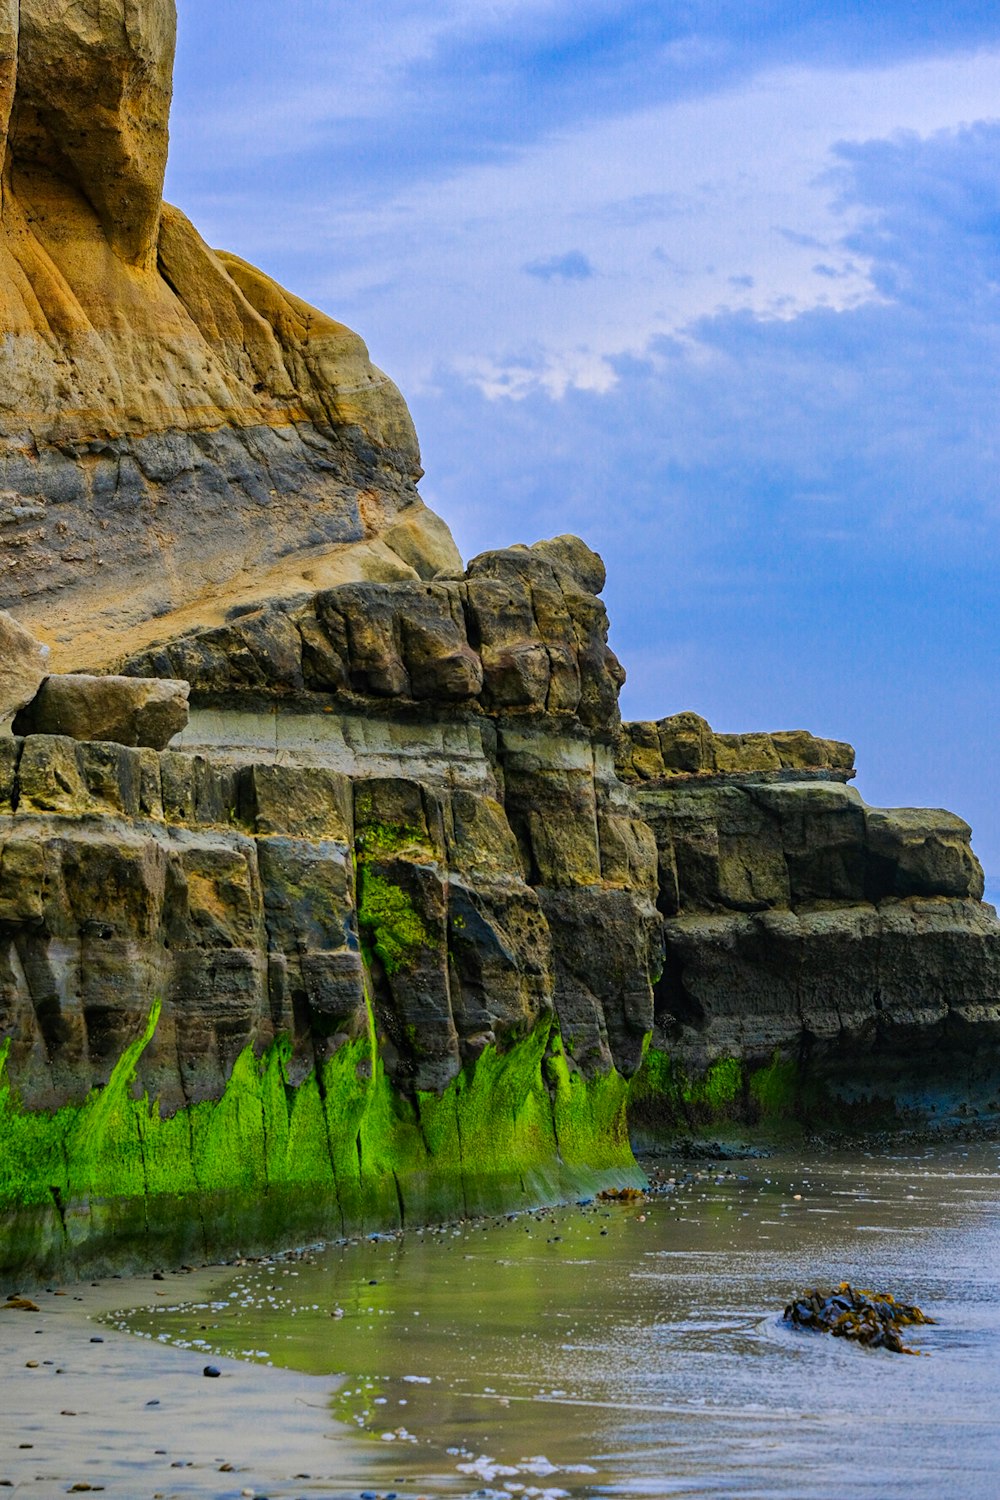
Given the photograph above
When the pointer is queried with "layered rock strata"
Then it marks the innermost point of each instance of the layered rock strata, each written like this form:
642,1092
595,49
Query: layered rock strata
393,920
845,945
405,924
422,897
178,432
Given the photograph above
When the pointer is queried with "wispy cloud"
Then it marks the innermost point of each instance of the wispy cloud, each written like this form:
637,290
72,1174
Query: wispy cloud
733,193
801,516
573,266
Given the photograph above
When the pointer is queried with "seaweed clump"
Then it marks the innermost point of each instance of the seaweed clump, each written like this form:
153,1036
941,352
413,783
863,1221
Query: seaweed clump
869,1318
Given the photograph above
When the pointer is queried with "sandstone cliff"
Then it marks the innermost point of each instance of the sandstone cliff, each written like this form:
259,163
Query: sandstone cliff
177,433
341,897
383,925
406,924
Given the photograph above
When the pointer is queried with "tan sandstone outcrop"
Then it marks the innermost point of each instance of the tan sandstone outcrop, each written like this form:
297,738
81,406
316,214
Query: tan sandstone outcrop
23,667
177,433
120,710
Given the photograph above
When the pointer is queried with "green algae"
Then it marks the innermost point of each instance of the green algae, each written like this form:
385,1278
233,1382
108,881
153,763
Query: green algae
776,1097
590,1116
719,1091
389,922
775,1088
665,1099
114,1181
384,840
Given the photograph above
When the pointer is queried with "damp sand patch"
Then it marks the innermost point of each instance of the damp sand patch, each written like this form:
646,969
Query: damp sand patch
82,1404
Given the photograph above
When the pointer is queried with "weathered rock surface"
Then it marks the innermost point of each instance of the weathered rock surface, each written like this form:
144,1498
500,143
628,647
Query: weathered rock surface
801,924
178,433
123,710
686,745
516,634
390,926
23,667
484,887
405,918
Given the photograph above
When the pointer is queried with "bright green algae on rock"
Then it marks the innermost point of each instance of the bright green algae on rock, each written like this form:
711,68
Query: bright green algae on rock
112,1182
388,919
776,1097
663,1099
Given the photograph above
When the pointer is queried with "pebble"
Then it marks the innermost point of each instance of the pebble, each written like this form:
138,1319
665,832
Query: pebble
212,1372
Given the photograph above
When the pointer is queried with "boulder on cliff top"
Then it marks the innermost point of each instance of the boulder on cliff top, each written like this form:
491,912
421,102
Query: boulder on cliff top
131,711
23,667
179,432
686,745
516,634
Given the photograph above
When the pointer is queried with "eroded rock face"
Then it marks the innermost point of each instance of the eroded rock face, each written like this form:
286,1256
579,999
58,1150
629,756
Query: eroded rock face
516,634
122,710
409,780
252,899
179,433
387,936
801,924
685,745
23,667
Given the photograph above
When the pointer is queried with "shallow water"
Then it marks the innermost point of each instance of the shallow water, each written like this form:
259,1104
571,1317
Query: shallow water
638,1350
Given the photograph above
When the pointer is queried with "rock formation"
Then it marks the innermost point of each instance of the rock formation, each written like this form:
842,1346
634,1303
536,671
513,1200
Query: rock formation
23,668
177,433
113,710
846,944
339,896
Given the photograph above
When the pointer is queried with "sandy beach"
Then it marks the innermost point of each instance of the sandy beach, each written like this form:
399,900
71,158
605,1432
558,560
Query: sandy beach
84,1407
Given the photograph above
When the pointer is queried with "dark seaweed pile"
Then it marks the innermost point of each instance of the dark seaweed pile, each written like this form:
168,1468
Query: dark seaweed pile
870,1318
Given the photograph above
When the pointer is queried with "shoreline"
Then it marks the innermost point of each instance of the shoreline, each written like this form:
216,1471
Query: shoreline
85,1405
100,1413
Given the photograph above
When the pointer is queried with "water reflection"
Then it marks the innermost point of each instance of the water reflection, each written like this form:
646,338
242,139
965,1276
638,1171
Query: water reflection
637,1349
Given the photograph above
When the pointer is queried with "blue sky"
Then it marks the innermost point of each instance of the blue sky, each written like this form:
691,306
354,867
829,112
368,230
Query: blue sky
715,285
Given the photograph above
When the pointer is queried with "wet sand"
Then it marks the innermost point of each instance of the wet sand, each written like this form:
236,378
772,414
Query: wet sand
136,1424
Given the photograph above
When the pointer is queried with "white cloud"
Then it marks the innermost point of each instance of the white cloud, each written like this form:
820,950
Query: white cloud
682,210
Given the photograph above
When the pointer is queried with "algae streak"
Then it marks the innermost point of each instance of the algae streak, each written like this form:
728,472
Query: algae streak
773,1099
113,1183
664,1100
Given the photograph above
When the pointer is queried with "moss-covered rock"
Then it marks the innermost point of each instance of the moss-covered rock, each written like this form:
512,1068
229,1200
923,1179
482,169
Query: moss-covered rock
115,1182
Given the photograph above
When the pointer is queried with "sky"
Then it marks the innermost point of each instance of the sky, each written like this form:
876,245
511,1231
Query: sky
714,285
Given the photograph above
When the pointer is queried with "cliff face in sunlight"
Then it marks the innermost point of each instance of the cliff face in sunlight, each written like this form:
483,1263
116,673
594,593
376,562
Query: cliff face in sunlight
336,895
177,431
